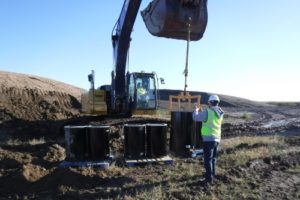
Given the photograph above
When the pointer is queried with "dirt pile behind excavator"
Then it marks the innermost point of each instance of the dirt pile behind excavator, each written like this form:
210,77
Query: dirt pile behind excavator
170,18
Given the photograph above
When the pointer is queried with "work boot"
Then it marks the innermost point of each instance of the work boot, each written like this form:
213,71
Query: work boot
208,183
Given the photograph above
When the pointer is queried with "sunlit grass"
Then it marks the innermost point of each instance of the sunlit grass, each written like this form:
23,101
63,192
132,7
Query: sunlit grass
163,113
237,141
160,113
38,141
247,116
32,142
242,157
157,192
245,149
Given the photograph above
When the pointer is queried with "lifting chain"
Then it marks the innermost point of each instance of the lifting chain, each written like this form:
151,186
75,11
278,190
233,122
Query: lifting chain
185,72
185,96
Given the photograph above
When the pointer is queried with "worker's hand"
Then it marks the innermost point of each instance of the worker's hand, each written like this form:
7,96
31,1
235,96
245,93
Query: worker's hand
197,107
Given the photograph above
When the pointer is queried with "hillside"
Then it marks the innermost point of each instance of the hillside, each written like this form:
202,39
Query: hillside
32,98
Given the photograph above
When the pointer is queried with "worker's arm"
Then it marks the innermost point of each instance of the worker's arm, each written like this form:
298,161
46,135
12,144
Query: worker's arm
199,115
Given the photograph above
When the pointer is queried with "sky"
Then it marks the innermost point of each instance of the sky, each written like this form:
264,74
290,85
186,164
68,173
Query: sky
250,49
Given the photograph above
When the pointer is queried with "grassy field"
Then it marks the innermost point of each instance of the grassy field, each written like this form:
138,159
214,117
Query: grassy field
246,166
265,167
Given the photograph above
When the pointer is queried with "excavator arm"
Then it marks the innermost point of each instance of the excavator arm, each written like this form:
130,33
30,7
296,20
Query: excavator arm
163,18
174,19
120,40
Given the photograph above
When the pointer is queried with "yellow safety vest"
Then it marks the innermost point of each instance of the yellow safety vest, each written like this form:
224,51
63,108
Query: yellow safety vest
141,91
212,126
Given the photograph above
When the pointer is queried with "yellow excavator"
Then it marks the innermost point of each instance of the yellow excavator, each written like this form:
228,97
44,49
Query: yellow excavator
176,19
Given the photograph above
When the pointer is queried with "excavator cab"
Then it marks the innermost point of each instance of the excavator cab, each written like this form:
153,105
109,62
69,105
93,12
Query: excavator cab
142,93
141,98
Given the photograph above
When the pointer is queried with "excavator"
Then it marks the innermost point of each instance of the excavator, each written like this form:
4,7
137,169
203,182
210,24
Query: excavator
136,92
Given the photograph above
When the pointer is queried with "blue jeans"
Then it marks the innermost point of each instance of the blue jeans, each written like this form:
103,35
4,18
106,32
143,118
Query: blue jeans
210,159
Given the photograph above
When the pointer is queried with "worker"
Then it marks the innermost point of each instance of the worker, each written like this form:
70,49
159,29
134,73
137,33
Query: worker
211,119
142,96
141,90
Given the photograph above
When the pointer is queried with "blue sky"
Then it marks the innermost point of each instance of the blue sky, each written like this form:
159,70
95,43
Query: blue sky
251,48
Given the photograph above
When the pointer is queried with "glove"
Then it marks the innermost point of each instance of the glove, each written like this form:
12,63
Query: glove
197,107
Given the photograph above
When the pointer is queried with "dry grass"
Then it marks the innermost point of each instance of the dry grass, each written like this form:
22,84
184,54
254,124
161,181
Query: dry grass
17,142
38,141
242,157
163,113
245,149
183,179
156,192
160,113
250,141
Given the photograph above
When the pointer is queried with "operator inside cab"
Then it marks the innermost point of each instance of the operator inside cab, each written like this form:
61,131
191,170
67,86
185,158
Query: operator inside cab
140,90
142,95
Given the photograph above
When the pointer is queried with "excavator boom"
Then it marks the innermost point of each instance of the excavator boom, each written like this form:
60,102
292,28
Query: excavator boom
164,18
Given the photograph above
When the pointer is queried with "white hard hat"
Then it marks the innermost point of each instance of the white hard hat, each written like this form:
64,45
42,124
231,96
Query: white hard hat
214,98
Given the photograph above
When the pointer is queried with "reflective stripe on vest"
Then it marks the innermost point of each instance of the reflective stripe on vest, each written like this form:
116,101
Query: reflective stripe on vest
212,126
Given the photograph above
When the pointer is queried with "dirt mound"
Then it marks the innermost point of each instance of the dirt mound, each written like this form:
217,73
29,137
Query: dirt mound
32,98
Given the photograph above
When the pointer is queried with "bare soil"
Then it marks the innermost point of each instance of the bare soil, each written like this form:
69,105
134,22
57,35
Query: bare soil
33,111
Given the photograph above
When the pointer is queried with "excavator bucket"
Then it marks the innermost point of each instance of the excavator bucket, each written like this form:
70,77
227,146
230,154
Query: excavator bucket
171,18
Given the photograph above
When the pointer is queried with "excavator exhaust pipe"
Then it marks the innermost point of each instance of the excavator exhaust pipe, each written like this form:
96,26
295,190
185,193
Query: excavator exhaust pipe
170,18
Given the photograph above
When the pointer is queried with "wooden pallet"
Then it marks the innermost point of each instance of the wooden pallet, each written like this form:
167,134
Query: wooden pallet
98,164
167,160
